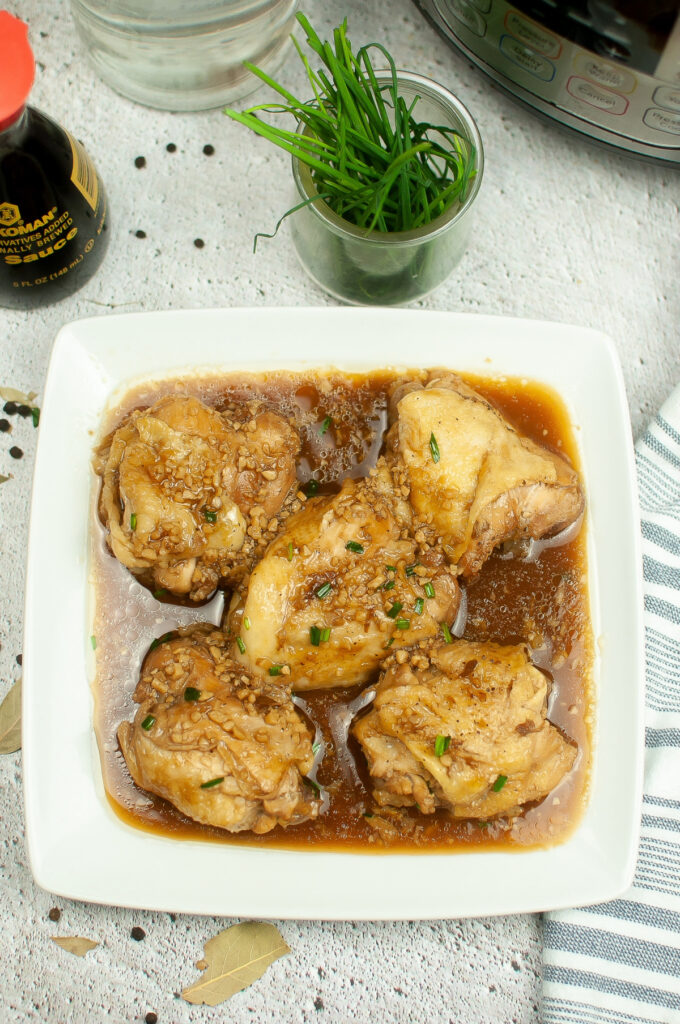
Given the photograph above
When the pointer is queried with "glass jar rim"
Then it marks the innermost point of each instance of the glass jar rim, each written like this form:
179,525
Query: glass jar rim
319,208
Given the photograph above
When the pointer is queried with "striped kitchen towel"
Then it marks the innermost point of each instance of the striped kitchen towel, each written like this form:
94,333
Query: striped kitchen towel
619,962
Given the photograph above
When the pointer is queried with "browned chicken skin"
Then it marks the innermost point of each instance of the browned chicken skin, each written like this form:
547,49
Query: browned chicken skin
224,747
462,726
474,481
341,585
190,497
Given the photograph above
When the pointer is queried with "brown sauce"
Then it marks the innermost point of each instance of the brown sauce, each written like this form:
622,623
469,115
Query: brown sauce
543,601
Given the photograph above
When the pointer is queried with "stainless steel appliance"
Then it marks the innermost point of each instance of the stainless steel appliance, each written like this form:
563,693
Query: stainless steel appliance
610,70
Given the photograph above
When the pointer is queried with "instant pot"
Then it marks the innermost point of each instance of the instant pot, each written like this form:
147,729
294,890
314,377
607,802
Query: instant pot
608,70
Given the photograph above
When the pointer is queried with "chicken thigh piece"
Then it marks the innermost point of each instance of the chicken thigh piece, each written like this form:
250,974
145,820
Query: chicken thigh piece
462,726
189,498
475,482
226,748
340,586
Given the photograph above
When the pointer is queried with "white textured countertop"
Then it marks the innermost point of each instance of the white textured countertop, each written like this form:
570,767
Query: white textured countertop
564,232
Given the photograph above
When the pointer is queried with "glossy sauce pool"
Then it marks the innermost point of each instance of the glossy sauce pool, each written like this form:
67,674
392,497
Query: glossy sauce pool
541,599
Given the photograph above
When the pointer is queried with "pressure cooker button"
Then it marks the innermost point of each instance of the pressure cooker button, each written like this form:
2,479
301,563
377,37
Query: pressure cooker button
595,96
608,75
662,121
532,34
466,14
527,59
668,97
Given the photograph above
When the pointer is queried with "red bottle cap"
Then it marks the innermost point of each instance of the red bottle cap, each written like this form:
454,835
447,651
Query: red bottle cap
17,68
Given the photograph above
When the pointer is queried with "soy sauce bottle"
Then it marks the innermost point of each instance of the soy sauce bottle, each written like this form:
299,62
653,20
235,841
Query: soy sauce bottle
53,215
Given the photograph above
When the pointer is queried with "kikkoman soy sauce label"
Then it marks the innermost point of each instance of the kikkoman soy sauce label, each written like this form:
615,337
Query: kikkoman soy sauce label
83,175
53,227
28,241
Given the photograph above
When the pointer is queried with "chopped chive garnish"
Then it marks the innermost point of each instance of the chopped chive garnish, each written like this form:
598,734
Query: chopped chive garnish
390,642
410,569
209,515
429,590
324,590
317,635
148,722
354,546
246,622
447,632
133,521
93,641
316,747
419,605
159,592
391,568
290,551
395,609
325,425
434,448
403,623
161,640
441,745
311,782
212,782
367,814
275,670
311,488
241,646
191,693
35,415
499,783
389,585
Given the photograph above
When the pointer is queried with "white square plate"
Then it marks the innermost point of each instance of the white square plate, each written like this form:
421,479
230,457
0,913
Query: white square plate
80,849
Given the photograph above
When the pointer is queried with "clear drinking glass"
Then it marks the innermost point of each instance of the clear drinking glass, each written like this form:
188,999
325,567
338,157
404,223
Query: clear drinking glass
183,54
395,268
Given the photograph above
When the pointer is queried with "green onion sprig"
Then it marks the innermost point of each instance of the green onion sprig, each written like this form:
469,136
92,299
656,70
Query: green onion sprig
372,161
441,745
212,782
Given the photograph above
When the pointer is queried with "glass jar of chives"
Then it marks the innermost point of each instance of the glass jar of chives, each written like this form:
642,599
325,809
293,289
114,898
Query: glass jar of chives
391,268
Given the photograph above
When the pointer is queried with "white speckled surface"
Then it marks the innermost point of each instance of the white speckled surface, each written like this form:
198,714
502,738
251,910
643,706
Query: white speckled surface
564,232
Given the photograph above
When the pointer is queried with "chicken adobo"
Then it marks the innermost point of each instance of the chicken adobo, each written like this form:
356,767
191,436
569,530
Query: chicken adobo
366,537
474,480
225,747
339,586
189,496
462,726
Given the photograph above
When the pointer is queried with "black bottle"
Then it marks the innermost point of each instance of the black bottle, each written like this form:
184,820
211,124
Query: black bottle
53,214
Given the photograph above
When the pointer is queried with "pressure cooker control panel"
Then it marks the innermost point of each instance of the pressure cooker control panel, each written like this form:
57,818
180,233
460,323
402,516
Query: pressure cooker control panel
603,98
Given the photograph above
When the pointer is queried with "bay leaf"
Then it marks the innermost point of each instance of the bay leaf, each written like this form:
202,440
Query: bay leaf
10,720
236,958
12,395
74,943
